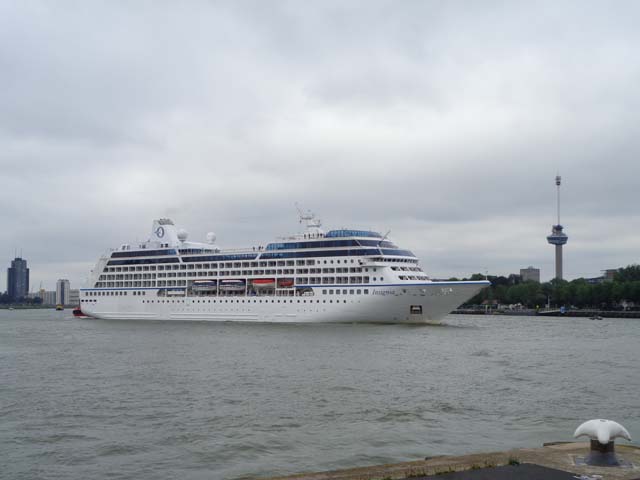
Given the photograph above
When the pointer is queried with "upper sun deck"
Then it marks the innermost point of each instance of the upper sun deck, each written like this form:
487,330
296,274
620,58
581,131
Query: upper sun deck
352,233
333,238
169,245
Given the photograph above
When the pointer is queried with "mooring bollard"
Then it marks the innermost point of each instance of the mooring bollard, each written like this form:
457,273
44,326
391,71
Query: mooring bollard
602,434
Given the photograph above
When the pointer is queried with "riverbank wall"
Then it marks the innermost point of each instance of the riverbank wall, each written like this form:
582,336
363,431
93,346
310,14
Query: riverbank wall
558,456
551,313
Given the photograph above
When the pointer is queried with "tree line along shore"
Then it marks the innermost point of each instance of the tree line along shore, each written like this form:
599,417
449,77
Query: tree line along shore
620,294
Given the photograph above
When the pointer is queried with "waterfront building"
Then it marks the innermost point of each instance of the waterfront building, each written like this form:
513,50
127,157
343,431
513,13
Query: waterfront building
530,274
48,297
74,297
35,295
607,276
62,292
18,279
558,237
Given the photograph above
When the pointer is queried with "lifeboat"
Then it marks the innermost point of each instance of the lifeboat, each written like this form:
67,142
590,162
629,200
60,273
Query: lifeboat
285,283
232,285
203,285
264,283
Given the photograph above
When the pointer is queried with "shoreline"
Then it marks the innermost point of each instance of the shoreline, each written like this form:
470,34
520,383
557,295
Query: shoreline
31,307
556,455
551,313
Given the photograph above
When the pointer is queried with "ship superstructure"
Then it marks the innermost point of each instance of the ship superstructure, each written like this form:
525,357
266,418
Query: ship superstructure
342,275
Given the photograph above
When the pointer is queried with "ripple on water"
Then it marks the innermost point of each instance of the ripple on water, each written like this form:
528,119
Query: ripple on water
226,401
119,449
481,353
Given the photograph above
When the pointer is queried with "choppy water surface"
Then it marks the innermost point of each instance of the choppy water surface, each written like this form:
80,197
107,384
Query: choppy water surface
162,400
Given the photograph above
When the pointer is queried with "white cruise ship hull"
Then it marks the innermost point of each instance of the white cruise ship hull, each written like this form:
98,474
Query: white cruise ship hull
426,302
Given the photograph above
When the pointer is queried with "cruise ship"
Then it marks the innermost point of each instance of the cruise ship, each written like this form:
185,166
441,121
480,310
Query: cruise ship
341,275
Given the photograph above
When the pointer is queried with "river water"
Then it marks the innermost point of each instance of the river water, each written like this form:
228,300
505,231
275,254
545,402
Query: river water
162,400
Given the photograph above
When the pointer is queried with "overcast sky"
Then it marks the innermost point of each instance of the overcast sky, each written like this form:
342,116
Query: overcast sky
442,121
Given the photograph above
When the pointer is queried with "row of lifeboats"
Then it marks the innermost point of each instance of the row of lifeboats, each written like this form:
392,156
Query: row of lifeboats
234,285
271,283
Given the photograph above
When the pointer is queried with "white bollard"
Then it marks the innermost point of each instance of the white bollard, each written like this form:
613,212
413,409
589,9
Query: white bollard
602,434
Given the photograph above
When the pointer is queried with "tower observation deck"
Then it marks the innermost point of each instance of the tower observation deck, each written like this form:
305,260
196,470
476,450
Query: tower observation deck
558,237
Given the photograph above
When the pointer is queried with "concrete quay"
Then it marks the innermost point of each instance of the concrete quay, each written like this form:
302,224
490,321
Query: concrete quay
558,456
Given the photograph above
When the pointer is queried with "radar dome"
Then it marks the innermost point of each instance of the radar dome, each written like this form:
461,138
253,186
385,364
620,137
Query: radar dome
182,235
211,237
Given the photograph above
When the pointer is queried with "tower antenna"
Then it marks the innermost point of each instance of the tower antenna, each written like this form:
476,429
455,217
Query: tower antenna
558,183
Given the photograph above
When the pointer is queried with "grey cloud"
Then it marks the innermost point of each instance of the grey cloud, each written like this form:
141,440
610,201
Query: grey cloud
444,122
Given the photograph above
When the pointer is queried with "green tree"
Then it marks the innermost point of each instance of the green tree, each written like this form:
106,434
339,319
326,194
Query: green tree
627,274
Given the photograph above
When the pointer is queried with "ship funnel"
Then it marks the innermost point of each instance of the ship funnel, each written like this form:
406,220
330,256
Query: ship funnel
164,231
602,434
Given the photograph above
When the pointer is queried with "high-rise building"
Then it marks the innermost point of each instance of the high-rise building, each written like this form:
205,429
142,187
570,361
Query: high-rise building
18,279
557,237
530,274
74,297
48,297
62,292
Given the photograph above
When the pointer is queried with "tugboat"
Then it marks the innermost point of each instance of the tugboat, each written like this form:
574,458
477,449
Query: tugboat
77,312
